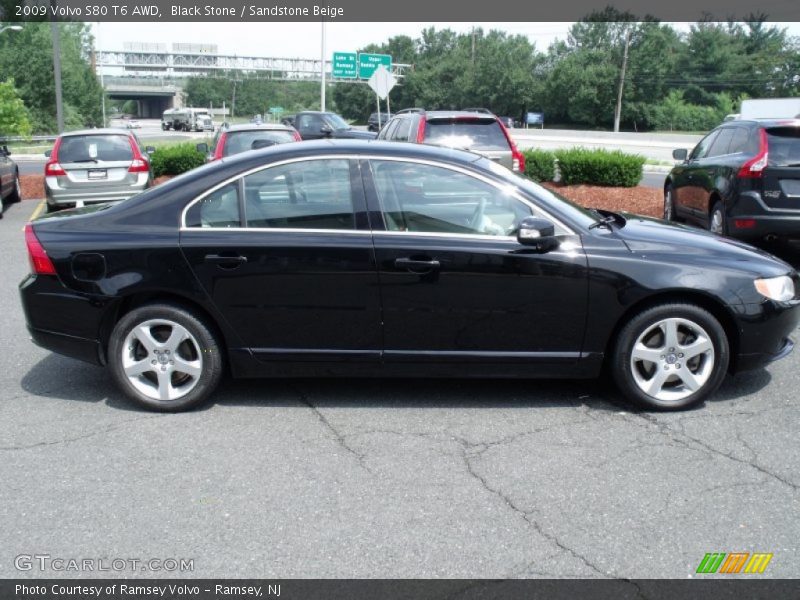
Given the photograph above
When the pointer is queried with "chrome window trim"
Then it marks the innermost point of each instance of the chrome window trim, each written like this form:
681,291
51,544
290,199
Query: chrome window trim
511,189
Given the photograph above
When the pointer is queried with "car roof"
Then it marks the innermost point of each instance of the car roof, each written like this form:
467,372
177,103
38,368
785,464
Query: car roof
785,122
346,146
99,131
257,127
454,114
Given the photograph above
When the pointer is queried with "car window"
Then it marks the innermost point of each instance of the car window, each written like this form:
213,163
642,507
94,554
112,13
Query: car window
702,147
418,197
219,209
313,194
739,140
241,141
784,146
383,133
721,143
309,123
390,129
466,133
403,130
91,148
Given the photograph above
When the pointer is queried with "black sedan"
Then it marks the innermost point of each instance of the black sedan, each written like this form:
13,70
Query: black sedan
352,258
10,190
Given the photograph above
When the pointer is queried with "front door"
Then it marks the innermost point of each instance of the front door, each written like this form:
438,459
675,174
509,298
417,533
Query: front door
456,285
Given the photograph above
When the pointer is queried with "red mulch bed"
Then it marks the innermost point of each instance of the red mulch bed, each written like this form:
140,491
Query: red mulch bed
638,200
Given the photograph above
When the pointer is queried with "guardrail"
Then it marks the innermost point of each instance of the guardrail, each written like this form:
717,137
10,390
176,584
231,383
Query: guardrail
33,138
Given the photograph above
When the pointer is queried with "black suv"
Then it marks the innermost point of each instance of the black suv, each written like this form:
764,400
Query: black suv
315,125
480,132
741,180
372,122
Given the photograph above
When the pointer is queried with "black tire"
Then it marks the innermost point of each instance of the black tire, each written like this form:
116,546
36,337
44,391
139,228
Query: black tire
680,380
669,204
717,212
16,192
160,376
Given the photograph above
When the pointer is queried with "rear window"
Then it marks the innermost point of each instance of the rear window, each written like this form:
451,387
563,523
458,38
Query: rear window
784,146
90,148
241,141
466,133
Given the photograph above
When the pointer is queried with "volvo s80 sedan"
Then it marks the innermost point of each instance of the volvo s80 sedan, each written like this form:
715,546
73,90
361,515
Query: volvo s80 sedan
355,258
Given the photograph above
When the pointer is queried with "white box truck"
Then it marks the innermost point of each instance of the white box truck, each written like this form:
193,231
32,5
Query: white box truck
770,108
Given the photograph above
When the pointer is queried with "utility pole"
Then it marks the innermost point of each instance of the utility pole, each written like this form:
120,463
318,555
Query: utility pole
618,110
322,71
57,68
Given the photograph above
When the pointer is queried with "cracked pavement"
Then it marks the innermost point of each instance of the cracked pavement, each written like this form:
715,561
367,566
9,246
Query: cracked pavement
389,478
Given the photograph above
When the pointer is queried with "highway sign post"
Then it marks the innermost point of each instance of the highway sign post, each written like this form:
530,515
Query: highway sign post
382,82
345,65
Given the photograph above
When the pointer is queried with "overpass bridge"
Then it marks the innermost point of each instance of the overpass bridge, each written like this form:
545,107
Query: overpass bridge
154,75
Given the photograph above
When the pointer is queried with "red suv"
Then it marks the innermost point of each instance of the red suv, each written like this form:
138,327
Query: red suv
480,132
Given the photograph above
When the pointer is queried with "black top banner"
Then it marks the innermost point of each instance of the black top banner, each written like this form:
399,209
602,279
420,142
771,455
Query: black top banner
375,11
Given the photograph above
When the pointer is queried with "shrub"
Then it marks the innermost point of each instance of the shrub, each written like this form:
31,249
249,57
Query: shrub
540,165
599,167
174,160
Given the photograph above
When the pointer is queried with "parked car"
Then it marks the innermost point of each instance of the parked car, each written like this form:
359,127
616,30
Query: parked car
10,190
741,180
315,125
476,131
95,165
234,139
353,258
133,124
375,124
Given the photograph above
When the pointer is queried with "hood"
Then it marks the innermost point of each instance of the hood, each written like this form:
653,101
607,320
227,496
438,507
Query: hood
648,236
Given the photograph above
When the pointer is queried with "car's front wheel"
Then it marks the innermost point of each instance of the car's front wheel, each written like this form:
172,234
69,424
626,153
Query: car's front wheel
16,191
669,204
164,357
670,357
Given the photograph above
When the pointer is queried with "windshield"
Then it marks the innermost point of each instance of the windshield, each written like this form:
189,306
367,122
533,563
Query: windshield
784,146
337,122
481,134
93,148
548,198
241,141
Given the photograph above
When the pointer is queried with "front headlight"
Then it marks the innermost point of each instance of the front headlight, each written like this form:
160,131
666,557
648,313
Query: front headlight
776,288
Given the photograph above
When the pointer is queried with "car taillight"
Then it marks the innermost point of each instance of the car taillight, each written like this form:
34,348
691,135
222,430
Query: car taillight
421,130
744,223
40,262
296,135
139,165
754,168
53,169
221,146
517,159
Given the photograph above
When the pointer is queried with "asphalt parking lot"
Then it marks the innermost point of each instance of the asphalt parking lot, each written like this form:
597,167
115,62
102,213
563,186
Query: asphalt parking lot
388,478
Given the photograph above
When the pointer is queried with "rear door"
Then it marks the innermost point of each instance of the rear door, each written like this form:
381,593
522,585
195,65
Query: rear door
689,181
286,255
781,178
481,134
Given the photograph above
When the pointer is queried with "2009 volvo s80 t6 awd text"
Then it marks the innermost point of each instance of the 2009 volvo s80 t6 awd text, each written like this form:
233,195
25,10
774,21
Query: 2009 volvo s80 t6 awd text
361,258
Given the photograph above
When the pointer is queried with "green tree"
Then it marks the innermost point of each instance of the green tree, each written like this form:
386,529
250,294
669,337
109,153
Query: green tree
13,114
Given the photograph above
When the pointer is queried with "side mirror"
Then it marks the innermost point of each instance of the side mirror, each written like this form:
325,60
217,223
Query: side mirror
326,130
537,233
202,148
149,149
47,153
680,154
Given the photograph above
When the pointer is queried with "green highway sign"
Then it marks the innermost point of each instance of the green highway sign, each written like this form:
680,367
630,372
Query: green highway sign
276,110
367,63
344,65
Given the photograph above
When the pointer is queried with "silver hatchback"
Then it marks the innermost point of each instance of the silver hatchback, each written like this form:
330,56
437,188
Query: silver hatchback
95,165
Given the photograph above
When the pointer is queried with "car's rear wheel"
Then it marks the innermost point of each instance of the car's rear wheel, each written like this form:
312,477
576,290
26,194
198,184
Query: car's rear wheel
164,357
16,192
716,219
670,357
669,204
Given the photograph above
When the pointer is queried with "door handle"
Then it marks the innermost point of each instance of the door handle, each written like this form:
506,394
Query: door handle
230,261
416,266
